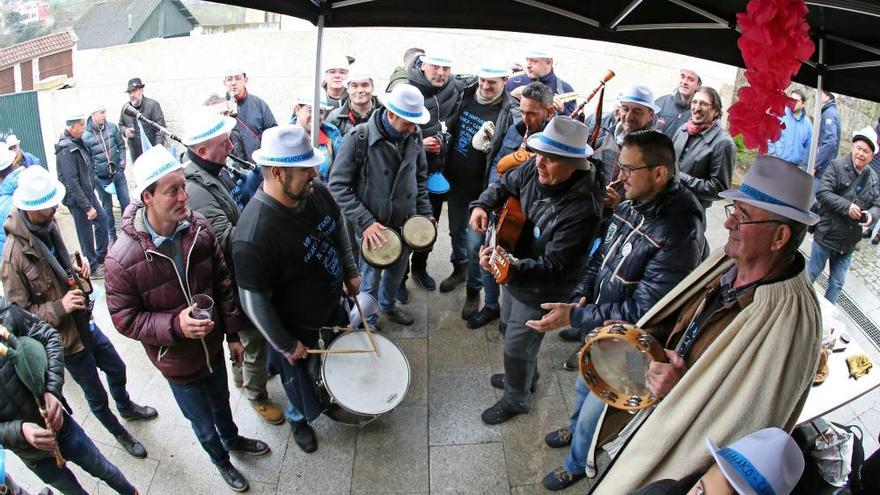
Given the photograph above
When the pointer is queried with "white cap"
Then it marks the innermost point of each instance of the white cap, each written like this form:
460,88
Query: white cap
97,107
287,146
539,52
232,71
152,165
494,68
37,190
766,461
336,62
73,117
437,56
867,134
12,140
406,102
358,73
205,123
306,98
7,156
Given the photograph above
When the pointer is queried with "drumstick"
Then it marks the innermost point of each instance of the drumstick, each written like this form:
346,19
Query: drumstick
337,351
357,303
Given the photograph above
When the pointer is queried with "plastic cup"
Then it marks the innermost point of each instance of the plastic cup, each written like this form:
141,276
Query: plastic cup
203,307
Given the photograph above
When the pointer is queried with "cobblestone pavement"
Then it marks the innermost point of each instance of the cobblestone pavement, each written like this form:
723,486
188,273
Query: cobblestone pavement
434,442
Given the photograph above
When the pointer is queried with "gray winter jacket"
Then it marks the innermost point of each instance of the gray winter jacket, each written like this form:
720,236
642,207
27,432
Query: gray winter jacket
387,185
705,161
208,196
674,112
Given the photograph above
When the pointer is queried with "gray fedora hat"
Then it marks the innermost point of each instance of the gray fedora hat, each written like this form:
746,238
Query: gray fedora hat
779,187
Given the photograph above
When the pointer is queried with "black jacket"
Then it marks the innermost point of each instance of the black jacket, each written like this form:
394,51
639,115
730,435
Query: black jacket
17,403
342,116
836,230
561,223
74,169
151,109
648,249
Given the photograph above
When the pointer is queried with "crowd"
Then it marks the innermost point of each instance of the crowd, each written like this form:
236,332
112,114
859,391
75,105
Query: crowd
614,218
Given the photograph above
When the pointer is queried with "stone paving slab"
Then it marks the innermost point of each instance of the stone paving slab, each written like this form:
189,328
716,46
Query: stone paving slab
392,453
464,469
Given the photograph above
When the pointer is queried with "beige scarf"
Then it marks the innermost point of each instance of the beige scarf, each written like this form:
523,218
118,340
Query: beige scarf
756,374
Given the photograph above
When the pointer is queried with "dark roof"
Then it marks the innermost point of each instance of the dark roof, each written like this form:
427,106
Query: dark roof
699,28
107,24
36,47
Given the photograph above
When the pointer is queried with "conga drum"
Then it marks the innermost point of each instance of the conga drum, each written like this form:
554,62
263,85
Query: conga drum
385,255
614,363
419,233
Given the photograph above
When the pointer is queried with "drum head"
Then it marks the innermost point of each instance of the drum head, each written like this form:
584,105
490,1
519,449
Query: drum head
620,364
364,383
419,233
386,254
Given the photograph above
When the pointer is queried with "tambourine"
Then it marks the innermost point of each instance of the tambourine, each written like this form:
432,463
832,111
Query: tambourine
614,363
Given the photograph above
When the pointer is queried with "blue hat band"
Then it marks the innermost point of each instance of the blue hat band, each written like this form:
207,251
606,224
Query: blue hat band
441,60
493,71
637,99
289,159
403,113
208,132
39,201
758,195
748,471
562,146
162,170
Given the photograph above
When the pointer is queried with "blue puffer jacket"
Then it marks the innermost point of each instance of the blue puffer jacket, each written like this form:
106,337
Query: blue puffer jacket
7,187
648,249
104,142
793,145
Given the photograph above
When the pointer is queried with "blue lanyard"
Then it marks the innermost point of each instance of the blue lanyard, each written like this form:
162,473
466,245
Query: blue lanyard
2,465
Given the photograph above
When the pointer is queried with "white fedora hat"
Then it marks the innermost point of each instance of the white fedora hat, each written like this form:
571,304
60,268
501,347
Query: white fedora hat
358,73
7,156
563,136
491,69
287,146
97,107
336,62
406,102
37,190
74,117
12,140
867,134
233,71
779,187
205,123
541,51
764,462
640,95
306,98
437,56
152,165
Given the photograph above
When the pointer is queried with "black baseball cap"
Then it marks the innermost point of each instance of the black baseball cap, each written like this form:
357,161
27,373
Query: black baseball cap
134,83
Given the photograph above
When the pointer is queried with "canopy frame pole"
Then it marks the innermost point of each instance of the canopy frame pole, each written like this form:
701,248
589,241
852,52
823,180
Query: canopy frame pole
817,105
316,94
704,13
562,12
624,13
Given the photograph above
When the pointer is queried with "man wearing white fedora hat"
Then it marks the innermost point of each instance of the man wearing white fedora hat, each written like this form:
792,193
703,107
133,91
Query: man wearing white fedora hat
106,146
336,70
561,198
252,116
22,156
360,103
379,181
292,263
539,67
725,327
165,265
37,274
209,186
329,138
9,174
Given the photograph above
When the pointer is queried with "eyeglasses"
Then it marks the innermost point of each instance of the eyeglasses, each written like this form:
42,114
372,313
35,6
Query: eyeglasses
729,210
628,170
701,103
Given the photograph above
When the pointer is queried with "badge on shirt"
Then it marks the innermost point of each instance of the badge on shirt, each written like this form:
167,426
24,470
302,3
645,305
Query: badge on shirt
536,232
627,248
610,233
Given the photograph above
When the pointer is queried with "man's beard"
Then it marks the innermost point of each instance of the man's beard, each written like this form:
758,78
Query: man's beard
287,188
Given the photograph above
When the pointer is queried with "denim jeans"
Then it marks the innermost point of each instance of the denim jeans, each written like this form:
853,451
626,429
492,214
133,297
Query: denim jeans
121,186
92,234
205,404
383,284
465,242
584,420
83,367
838,266
79,449
277,363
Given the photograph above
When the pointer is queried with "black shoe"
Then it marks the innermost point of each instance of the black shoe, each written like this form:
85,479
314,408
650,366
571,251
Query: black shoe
233,477
132,446
422,278
497,381
399,316
248,446
483,317
304,436
558,438
498,414
403,294
571,335
471,303
572,363
875,240
136,413
459,274
561,479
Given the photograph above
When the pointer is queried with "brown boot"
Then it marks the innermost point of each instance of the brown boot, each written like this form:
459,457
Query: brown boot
270,413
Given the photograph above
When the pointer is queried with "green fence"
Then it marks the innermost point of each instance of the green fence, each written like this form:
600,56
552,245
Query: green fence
20,115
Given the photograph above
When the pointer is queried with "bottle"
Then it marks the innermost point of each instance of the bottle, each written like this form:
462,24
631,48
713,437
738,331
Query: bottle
84,283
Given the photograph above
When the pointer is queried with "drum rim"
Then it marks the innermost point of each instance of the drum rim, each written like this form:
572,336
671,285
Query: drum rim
384,265
336,401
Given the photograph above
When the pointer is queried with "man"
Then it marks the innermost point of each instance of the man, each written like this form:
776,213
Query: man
379,181
132,128
539,67
106,148
22,157
74,168
654,240
432,75
829,137
484,101
725,327
329,137
704,151
675,108
335,74
292,257
360,104
209,185
560,196
252,114
399,75
636,113
536,109
165,257
793,144
849,201
9,174
22,427
37,274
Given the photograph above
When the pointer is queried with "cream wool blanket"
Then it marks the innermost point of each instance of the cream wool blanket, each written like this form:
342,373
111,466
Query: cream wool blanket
756,374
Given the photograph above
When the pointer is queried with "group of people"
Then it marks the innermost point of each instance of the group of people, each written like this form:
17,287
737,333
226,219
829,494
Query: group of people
614,232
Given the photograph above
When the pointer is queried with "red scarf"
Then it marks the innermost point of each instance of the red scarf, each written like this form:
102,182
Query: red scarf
242,96
694,129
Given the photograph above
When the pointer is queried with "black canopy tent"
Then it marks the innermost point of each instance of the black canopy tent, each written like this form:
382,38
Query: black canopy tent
846,32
